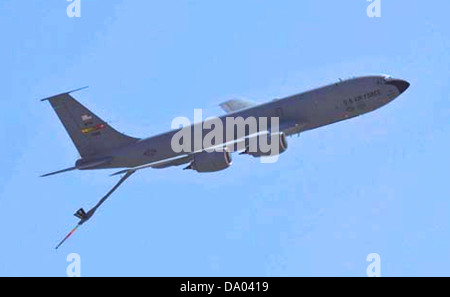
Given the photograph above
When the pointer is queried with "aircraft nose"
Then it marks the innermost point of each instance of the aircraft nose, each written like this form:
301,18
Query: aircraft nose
400,84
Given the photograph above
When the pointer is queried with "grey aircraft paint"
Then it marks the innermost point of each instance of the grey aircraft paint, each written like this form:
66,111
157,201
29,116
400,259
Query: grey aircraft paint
102,147
107,148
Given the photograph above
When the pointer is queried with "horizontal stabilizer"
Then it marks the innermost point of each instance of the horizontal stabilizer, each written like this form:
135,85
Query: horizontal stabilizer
59,171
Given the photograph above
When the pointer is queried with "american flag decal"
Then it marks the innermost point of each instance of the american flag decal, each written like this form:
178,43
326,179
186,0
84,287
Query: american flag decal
86,117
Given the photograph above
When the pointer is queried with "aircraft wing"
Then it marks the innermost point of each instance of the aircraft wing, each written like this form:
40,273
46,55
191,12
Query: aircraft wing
188,157
175,161
286,127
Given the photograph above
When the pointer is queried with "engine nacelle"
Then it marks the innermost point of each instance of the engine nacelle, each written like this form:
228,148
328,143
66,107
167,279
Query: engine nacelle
281,142
210,162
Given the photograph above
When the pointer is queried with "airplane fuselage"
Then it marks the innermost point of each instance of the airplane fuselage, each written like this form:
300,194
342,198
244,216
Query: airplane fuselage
298,113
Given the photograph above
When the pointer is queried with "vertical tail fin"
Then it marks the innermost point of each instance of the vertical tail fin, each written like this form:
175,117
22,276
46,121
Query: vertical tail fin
90,134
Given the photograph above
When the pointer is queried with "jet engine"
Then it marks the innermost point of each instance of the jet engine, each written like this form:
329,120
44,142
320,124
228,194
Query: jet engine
280,139
210,162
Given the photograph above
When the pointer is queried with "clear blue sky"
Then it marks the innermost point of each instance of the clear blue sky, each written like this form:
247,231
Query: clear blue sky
375,184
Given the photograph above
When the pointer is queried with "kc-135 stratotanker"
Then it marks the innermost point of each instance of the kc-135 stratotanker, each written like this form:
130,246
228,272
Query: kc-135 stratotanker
102,147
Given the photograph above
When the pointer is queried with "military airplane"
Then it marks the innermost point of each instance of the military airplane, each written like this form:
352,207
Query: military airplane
102,147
